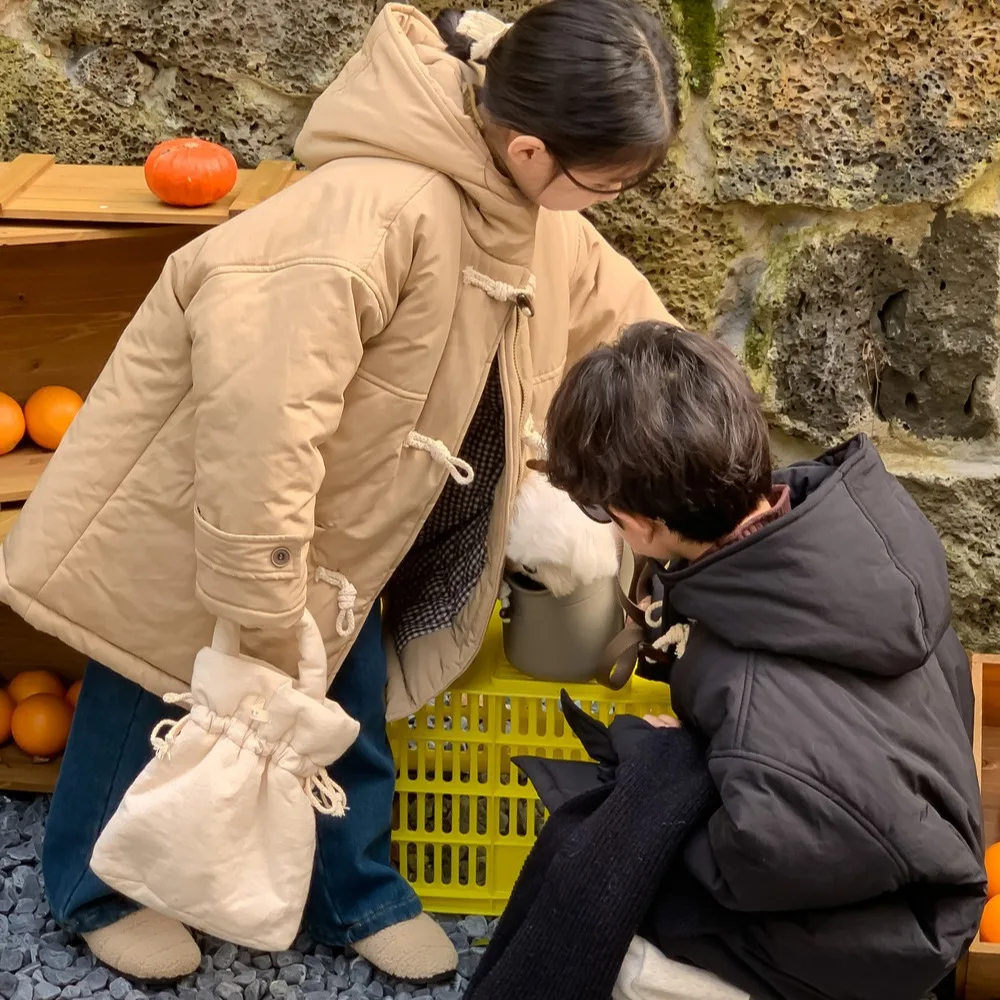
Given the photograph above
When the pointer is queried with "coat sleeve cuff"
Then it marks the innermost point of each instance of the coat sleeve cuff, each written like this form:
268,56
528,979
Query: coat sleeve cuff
257,581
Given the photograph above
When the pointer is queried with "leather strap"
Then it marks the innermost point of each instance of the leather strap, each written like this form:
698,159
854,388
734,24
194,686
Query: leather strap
621,655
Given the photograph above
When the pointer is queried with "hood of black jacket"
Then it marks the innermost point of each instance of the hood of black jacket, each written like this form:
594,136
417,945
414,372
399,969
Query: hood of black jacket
853,576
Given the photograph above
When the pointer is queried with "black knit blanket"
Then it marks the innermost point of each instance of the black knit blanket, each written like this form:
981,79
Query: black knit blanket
599,862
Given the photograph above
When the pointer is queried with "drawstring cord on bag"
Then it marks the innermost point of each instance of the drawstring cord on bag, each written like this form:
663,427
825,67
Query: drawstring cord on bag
162,745
347,595
458,468
324,794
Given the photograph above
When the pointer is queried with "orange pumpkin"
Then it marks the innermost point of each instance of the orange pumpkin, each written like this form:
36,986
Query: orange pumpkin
190,173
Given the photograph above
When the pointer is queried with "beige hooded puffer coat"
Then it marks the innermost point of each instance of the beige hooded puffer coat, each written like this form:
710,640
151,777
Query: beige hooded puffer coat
263,438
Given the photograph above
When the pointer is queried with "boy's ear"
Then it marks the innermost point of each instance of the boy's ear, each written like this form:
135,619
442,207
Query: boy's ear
537,465
641,527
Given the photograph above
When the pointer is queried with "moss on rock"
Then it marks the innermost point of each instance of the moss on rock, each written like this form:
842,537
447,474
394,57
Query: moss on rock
698,37
756,346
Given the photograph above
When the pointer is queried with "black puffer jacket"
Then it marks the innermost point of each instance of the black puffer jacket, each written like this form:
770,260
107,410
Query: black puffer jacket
837,702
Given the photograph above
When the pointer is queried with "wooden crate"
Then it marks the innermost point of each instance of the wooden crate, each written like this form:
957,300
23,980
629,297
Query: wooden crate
66,294
80,247
980,975
67,291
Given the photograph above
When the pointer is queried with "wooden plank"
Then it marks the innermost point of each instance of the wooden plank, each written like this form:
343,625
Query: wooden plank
63,306
116,194
7,519
21,773
14,234
24,171
108,194
268,179
25,648
978,674
979,977
20,470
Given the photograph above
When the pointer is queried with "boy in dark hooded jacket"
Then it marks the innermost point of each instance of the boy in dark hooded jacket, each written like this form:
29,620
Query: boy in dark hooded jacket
820,666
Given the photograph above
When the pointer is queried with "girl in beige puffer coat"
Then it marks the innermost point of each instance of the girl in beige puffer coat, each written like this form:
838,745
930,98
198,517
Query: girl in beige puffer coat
325,404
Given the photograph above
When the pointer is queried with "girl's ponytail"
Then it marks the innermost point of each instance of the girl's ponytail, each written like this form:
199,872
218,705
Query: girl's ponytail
471,36
459,45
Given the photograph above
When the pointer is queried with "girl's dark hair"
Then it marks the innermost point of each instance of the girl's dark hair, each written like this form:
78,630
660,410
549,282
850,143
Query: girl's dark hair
595,80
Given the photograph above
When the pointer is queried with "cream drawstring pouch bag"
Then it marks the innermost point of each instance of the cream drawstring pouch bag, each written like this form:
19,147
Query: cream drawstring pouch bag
218,830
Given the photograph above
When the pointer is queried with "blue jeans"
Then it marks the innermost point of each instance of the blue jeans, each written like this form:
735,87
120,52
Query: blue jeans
355,891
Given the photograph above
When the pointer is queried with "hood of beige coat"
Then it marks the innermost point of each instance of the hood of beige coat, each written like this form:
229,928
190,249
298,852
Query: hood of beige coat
403,97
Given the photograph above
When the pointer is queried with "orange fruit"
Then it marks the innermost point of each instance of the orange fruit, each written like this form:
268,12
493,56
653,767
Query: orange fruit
6,711
11,424
48,414
73,694
40,724
993,869
30,682
989,926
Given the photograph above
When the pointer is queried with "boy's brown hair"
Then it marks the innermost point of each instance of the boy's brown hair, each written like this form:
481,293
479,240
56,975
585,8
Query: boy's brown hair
663,424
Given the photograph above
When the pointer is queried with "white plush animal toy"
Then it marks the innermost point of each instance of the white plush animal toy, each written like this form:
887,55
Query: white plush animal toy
554,543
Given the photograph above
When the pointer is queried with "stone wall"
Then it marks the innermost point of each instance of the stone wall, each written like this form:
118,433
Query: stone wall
832,209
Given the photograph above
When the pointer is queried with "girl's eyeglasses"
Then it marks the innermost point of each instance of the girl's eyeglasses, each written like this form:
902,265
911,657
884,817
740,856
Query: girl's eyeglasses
611,189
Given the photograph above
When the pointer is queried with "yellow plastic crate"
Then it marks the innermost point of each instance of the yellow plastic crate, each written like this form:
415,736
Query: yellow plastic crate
465,816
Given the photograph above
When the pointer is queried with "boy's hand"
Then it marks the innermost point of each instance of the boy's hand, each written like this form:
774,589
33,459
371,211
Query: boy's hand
662,721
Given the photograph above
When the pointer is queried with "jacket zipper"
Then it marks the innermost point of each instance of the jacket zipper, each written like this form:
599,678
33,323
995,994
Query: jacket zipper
513,460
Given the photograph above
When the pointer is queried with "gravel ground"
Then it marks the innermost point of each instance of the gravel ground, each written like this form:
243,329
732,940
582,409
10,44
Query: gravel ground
40,962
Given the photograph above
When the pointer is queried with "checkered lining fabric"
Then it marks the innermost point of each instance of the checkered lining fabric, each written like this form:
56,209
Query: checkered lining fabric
434,581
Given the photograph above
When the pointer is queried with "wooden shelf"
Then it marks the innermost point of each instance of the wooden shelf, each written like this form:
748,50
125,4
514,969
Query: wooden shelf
20,470
7,519
22,234
34,187
19,772
80,247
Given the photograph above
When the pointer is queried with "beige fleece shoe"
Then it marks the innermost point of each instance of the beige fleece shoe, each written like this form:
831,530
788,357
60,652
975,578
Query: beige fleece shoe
417,951
146,945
